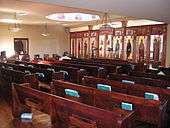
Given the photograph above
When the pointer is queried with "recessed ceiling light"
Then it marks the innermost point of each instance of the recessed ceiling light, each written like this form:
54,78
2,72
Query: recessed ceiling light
21,14
72,17
10,21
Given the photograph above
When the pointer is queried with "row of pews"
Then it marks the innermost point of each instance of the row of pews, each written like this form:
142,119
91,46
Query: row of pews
86,105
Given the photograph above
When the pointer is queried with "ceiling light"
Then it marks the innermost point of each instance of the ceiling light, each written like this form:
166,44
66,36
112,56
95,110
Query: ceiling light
11,21
45,33
14,29
106,24
21,14
72,17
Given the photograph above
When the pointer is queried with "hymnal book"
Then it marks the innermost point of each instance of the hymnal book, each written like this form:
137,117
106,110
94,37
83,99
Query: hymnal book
128,82
151,96
126,106
104,87
71,92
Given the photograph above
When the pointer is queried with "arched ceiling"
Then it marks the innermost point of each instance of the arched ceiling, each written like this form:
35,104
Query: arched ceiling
147,9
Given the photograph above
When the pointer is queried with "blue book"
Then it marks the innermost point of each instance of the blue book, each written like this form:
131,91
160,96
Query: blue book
11,68
71,92
27,72
21,65
126,106
64,72
26,116
151,96
128,82
31,66
51,69
39,74
104,87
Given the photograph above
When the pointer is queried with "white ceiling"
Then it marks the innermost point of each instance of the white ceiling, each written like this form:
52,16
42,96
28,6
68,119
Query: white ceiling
36,12
145,9
38,9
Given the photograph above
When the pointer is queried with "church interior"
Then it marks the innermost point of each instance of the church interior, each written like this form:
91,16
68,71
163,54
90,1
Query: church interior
84,64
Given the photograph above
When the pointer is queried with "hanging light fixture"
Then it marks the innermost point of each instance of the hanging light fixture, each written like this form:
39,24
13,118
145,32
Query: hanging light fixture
16,26
45,33
105,23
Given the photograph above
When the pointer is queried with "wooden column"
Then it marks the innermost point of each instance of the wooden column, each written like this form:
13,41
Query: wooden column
163,56
90,27
134,48
97,41
148,49
124,25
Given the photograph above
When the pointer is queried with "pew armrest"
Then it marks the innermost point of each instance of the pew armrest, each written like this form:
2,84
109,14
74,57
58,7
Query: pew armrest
77,121
81,73
33,104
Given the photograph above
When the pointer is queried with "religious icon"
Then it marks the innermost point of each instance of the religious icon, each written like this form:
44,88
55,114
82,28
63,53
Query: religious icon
102,42
128,49
85,49
92,49
141,51
156,44
117,49
108,42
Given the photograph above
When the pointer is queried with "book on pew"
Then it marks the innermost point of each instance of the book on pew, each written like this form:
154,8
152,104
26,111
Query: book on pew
128,82
126,106
71,92
51,69
26,117
168,87
64,72
27,72
151,96
104,87
31,66
39,74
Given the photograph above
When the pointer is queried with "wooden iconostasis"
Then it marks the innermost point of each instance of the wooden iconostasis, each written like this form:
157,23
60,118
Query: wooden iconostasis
137,44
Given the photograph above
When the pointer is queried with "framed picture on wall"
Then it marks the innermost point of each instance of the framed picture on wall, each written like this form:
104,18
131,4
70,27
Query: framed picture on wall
21,45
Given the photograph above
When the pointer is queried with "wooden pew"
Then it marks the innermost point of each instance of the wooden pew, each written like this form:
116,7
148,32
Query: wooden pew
139,80
64,113
165,78
131,89
147,110
91,70
75,75
48,75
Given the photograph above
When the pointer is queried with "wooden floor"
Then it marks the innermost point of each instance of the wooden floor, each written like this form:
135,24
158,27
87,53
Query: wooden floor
40,120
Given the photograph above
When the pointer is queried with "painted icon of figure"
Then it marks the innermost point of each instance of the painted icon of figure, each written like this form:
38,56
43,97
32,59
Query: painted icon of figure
156,50
128,49
79,49
141,51
117,49
85,49
108,42
102,42
92,50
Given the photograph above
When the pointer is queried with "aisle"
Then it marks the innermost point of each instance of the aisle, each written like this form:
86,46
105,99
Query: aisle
40,120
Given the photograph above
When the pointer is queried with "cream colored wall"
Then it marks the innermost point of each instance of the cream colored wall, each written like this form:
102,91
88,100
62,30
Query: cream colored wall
57,42
168,47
